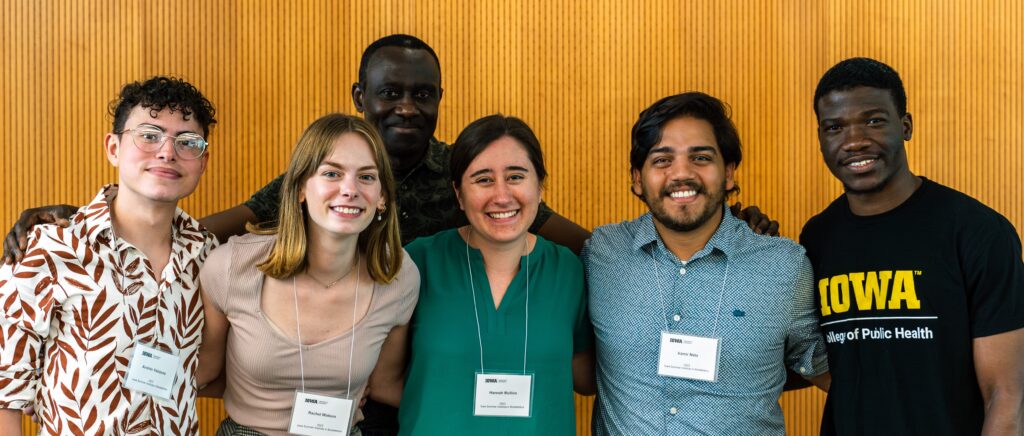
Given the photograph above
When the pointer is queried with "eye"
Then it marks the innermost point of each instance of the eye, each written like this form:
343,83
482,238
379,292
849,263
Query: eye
191,142
424,94
370,178
388,93
149,136
483,180
830,128
661,161
703,158
517,177
876,121
331,174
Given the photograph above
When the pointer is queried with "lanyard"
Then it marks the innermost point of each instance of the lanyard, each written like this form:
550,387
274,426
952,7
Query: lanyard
476,314
352,343
661,292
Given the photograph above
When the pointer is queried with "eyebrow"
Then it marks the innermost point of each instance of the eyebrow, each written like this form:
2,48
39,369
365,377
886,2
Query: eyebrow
863,113
488,170
165,130
693,149
339,166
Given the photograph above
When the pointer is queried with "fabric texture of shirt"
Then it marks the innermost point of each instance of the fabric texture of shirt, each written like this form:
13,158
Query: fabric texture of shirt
87,299
426,200
445,356
261,361
903,294
765,320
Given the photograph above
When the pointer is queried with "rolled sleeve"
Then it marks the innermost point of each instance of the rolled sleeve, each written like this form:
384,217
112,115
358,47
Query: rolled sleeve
27,299
805,347
265,202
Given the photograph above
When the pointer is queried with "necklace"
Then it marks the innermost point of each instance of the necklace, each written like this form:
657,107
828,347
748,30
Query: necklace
328,285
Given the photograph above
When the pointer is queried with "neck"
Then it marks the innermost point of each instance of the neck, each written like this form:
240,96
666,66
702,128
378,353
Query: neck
329,257
141,222
498,256
402,164
893,194
685,244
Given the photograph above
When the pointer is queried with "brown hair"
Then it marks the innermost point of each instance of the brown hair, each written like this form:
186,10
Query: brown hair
380,242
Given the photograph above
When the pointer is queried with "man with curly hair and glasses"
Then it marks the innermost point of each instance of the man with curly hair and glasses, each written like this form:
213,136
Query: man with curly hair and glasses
102,319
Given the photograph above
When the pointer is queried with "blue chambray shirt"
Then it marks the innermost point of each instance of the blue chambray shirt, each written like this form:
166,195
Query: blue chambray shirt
767,321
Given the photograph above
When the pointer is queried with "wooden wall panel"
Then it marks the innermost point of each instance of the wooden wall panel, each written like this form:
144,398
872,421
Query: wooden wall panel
578,72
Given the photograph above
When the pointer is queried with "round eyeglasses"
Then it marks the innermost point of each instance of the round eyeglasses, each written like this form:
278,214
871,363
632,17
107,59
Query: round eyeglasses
187,146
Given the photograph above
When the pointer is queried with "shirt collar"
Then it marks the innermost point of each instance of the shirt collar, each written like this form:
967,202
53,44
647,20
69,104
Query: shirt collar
435,160
646,237
96,217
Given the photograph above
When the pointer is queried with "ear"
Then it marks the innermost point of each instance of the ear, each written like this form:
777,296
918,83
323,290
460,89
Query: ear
111,147
382,203
908,126
730,171
302,194
637,187
458,196
357,96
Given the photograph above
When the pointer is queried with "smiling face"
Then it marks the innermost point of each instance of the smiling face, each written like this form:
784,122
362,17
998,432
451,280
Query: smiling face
160,176
400,97
500,192
861,136
684,178
344,193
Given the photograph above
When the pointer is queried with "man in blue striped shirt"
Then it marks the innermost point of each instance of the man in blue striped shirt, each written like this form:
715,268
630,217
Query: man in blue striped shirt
696,317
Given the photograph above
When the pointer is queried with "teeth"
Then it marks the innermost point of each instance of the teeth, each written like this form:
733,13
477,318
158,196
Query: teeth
348,210
502,215
683,194
860,163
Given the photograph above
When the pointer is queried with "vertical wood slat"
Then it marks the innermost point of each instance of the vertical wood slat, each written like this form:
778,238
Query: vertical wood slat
578,72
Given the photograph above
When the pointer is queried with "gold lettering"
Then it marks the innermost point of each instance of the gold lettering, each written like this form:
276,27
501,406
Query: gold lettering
823,290
903,290
840,293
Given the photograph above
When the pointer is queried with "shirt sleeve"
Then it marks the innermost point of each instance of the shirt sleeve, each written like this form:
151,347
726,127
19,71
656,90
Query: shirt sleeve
410,282
28,301
265,202
213,276
805,347
543,214
994,275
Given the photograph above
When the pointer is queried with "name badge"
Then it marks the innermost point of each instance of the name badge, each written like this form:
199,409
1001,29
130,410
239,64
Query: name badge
685,356
152,371
320,415
508,395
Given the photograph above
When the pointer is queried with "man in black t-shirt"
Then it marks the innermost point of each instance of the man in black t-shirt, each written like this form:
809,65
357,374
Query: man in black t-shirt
920,287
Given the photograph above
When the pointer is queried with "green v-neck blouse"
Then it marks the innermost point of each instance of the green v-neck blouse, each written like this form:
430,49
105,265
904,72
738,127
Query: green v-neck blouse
445,355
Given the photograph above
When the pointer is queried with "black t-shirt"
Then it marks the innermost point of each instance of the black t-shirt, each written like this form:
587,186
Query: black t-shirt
902,295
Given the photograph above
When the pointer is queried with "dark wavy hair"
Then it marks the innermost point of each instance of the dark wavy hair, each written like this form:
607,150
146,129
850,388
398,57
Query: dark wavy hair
158,93
647,130
857,72
479,134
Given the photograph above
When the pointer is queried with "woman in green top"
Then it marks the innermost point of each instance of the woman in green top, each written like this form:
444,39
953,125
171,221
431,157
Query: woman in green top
500,337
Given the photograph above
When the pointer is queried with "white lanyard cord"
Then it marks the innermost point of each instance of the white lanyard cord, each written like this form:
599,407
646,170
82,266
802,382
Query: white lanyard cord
661,292
476,314
352,342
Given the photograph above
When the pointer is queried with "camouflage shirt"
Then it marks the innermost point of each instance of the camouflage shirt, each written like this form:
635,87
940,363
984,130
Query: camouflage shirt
426,201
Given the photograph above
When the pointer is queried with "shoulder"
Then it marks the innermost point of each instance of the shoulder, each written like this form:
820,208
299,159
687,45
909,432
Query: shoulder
618,234
552,253
423,245
408,277
239,245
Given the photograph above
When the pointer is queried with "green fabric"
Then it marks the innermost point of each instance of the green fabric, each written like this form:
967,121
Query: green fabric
426,200
445,357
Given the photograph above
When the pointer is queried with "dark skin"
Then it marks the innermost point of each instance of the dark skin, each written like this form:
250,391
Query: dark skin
401,96
862,139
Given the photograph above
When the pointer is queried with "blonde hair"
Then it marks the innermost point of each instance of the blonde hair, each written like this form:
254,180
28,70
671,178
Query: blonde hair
380,241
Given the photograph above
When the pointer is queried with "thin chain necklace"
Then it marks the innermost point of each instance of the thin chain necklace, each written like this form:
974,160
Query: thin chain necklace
327,286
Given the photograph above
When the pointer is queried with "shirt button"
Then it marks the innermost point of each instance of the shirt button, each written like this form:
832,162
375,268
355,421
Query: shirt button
673,411
803,370
676,318
682,271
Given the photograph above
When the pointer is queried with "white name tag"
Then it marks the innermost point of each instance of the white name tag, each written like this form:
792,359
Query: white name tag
686,356
503,395
320,415
152,371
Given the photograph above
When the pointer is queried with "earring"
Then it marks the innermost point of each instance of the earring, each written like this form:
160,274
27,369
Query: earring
380,214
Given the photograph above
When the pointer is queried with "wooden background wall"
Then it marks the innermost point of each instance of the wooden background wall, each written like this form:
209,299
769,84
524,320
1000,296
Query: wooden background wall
579,72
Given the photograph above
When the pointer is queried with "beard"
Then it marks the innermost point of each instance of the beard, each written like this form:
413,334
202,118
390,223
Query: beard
691,219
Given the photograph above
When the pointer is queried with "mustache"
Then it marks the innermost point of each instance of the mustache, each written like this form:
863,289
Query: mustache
691,184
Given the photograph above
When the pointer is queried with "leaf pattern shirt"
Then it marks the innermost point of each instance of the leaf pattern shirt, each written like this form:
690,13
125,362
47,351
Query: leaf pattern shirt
73,310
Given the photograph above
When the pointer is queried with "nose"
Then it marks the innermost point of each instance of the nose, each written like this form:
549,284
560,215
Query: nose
856,139
348,186
166,151
502,192
681,169
406,107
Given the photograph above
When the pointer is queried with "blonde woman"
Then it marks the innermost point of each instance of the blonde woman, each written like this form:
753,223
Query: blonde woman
297,313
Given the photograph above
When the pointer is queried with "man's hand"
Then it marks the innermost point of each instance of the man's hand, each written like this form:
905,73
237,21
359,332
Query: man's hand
758,221
17,240
30,411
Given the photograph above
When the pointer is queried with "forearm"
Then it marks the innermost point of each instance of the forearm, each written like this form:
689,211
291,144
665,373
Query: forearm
563,232
10,422
1004,413
389,392
584,377
229,223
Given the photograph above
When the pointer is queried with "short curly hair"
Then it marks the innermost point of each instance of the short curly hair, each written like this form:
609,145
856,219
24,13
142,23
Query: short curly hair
158,93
